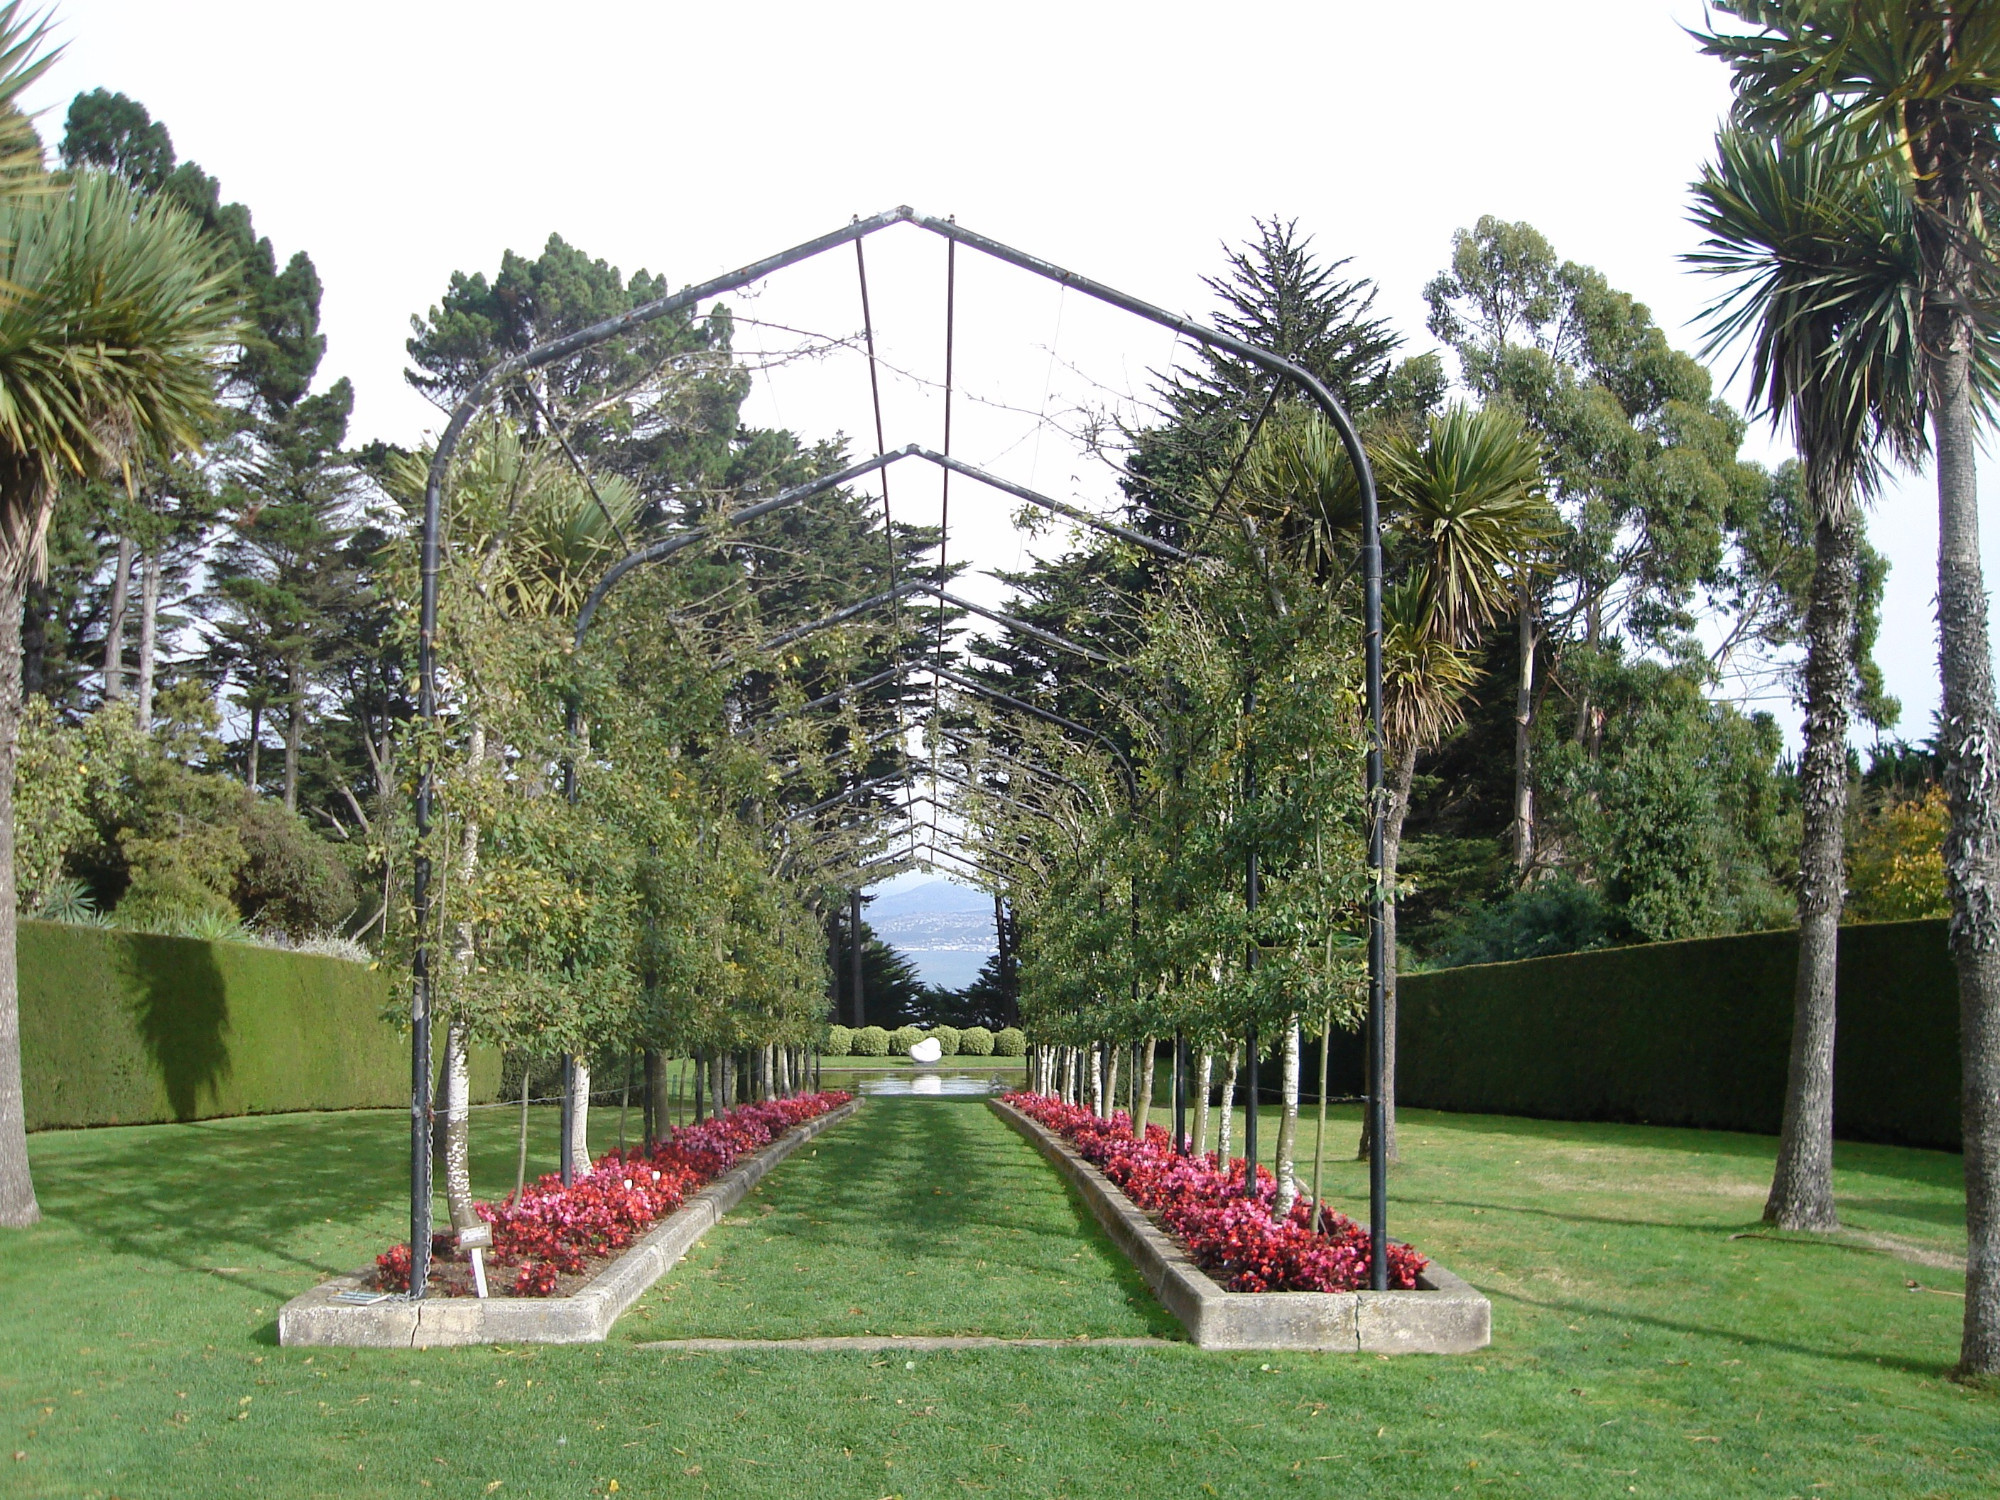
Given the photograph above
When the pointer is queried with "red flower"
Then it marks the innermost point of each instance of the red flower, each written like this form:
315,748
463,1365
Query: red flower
552,1231
1239,1240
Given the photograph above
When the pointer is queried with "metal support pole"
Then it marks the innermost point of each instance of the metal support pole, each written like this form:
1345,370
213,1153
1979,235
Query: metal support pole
1180,1094
568,1116
854,957
1250,1114
1253,887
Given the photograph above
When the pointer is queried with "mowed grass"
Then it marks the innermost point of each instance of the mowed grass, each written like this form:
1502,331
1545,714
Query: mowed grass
1639,1348
919,1216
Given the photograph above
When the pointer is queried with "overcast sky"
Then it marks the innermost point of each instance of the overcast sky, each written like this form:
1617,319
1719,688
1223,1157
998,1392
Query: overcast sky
397,143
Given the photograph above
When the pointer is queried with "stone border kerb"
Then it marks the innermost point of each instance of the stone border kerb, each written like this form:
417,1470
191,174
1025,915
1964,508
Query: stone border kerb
1445,1315
585,1317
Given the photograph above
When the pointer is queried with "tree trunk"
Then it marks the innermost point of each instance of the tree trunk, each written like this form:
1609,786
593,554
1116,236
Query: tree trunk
1288,1121
114,627
295,713
1143,1115
1802,1186
256,743
1096,1065
1524,723
1225,1132
1111,1052
1401,775
579,1116
1204,1080
17,1185
149,625
457,1101
1972,845
35,640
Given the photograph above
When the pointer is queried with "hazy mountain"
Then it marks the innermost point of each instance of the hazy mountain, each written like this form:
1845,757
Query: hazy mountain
945,930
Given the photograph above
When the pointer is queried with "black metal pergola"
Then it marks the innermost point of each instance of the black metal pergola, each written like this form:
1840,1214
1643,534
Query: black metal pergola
497,379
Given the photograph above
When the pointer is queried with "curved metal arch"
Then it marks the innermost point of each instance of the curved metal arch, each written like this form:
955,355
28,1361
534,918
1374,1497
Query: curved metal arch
667,546
491,382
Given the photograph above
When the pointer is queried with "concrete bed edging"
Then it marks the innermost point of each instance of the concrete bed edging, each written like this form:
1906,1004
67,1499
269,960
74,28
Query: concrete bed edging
585,1317
1445,1315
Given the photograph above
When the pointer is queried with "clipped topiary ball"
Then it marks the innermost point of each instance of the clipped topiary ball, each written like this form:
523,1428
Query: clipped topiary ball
975,1041
1011,1042
903,1038
948,1039
839,1042
869,1041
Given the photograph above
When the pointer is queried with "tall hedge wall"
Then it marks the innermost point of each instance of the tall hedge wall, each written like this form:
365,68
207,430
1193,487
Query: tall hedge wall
1690,1033
122,1028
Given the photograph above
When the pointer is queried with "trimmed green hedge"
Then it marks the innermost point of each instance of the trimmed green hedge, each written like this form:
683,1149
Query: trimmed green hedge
1690,1033
123,1028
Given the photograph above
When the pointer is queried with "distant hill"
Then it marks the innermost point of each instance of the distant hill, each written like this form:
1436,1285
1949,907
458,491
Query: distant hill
945,930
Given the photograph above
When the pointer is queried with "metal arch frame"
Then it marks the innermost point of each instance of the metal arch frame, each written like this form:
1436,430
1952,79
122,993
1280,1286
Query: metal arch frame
492,381
667,546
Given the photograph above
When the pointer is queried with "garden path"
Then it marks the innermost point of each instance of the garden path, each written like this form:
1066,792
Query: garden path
918,1217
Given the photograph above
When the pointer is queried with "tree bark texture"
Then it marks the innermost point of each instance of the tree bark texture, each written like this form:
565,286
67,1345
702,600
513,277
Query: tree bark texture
1143,1115
579,1116
295,717
1288,1121
1111,1051
1401,775
1203,1082
1972,844
1225,1133
1802,1185
17,1185
1524,723
149,628
114,626
457,1091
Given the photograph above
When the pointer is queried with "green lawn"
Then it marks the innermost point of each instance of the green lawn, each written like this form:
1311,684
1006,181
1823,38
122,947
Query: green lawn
1639,1349
922,1216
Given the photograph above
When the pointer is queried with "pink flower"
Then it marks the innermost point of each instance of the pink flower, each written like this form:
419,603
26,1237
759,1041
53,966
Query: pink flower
1238,1239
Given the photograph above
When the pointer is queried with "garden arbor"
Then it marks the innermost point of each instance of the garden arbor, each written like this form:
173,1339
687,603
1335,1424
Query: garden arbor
504,375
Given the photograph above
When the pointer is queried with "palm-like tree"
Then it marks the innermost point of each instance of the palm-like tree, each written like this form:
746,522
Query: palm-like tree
1826,292
1463,511
111,313
1466,512
1915,84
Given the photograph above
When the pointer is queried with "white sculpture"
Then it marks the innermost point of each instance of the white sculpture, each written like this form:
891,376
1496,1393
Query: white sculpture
929,1050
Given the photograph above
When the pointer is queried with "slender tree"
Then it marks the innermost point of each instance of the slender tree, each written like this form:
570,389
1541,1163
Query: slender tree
111,316
1826,291
1916,84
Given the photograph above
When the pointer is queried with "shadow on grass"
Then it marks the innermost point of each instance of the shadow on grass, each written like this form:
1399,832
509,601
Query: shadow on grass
1929,1368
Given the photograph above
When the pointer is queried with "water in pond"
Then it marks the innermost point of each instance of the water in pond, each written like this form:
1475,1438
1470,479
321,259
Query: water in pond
929,1084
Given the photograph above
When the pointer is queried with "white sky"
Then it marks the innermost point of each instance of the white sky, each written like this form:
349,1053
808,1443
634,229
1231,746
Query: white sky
397,143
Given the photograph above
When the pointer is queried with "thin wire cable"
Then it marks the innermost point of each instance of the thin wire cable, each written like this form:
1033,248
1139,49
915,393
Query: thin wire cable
1236,468
944,501
577,463
881,447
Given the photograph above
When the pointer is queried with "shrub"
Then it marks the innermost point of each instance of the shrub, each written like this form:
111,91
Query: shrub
975,1041
948,1039
1010,1041
839,1041
870,1041
291,880
903,1038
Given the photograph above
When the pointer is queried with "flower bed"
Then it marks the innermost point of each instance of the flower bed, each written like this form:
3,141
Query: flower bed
1240,1241
552,1233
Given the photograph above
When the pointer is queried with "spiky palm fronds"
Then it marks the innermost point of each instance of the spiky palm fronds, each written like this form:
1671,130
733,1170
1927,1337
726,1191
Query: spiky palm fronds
1466,495
107,340
1826,295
